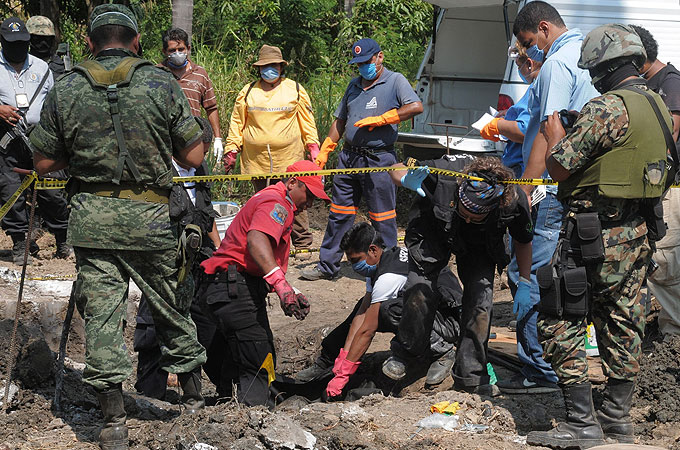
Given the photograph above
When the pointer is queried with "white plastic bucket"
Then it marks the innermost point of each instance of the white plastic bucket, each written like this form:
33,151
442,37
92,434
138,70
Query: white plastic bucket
227,212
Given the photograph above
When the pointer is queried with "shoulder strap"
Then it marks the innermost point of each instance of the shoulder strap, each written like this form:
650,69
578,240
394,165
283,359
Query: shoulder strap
111,80
37,91
668,136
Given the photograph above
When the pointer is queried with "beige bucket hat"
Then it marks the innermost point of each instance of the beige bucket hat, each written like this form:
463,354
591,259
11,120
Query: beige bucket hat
269,55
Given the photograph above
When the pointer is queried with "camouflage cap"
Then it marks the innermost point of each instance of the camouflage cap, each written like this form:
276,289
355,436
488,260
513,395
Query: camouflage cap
609,44
40,26
113,14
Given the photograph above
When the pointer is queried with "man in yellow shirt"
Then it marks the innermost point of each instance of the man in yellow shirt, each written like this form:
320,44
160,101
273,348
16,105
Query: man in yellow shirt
271,125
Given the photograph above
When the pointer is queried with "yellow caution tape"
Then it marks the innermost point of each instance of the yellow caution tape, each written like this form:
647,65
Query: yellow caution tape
24,185
51,277
60,184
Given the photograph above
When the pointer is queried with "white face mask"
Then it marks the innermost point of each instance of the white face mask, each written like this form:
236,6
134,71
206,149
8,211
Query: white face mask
178,59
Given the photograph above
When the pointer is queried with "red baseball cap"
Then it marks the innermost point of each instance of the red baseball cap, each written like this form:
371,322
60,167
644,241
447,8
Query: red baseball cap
313,182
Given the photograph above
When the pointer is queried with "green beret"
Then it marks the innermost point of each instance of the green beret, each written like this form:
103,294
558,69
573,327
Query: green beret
113,14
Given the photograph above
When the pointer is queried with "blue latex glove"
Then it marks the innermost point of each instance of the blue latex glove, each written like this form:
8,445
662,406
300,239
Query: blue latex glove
522,303
414,179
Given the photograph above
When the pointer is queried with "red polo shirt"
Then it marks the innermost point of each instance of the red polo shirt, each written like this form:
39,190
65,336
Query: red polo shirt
270,211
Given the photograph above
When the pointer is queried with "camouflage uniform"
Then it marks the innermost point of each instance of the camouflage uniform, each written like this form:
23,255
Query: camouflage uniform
118,239
615,309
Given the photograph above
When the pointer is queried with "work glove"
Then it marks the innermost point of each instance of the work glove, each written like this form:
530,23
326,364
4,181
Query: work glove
522,304
413,179
346,369
341,357
490,130
389,118
218,150
292,304
313,150
326,148
302,305
229,160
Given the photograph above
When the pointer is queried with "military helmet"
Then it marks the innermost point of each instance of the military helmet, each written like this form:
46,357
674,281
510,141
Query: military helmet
40,25
608,47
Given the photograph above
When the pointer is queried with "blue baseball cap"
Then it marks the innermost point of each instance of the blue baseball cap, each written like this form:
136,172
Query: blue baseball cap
363,50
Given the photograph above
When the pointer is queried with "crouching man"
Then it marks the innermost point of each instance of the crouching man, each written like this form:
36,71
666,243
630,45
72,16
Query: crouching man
469,218
386,270
251,261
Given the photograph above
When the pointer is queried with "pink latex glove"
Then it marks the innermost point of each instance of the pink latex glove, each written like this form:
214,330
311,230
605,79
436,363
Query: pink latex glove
229,160
313,151
341,357
345,370
290,303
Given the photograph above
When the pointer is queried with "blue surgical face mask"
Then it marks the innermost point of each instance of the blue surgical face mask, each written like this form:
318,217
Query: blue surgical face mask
269,73
536,53
523,78
368,71
363,268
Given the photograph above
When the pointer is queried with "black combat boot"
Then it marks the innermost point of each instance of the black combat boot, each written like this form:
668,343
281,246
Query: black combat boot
114,434
614,416
581,430
192,400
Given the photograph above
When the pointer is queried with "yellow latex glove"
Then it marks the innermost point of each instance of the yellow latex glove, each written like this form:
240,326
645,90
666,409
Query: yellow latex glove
389,118
326,148
490,130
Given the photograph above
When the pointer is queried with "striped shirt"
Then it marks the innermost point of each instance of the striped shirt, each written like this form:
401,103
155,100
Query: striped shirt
198,88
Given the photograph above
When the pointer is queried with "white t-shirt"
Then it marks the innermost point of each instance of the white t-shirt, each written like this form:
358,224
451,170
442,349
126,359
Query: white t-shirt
387,286
190,186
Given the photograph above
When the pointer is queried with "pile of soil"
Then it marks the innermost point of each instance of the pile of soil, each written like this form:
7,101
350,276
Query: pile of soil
658,383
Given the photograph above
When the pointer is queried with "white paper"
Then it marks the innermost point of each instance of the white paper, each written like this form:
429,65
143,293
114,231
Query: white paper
493,111
483,121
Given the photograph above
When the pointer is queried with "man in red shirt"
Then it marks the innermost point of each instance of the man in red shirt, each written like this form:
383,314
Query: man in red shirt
251,261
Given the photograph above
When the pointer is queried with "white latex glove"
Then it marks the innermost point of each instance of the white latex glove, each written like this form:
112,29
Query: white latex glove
218,150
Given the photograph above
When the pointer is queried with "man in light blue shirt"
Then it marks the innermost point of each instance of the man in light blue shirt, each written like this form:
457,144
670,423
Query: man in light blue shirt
559,85
22,93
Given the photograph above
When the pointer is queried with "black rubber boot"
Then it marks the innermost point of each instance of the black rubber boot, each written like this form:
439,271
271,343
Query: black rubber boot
192,400
581,430
440,368
114,434
614,416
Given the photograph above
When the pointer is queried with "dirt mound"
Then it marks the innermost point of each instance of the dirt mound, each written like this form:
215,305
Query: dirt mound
658,383
35,362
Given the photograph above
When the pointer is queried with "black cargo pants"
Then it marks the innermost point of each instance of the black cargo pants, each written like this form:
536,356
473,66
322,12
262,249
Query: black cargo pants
236,303
52,202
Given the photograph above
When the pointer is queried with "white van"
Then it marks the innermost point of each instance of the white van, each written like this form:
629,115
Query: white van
466,68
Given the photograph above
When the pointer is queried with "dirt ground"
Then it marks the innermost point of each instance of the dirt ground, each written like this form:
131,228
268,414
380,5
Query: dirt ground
375,422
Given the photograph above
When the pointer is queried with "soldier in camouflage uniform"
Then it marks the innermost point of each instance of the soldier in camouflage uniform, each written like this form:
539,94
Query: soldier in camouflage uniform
602,257
116,122
43,44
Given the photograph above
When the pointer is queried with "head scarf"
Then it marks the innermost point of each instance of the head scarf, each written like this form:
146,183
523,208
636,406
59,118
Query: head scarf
480,197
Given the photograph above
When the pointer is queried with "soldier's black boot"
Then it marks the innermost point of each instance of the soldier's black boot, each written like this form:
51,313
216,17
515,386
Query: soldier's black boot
192,400
581,430
114,434
614,415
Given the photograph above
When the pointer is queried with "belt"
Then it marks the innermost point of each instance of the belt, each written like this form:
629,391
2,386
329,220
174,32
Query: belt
369,152
130,191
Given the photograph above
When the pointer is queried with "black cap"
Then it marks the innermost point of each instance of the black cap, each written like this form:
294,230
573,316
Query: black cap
14,29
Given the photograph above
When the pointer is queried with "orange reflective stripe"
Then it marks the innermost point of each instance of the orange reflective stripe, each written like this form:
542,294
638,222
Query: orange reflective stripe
338,209
379,217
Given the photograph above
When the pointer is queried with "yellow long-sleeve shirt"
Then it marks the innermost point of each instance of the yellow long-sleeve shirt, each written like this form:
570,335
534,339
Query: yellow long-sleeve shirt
276,117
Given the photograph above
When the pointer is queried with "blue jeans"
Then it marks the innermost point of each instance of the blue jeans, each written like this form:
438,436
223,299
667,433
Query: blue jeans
547,217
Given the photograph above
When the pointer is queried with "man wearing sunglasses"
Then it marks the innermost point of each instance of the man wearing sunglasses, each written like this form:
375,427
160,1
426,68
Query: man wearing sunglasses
469,219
